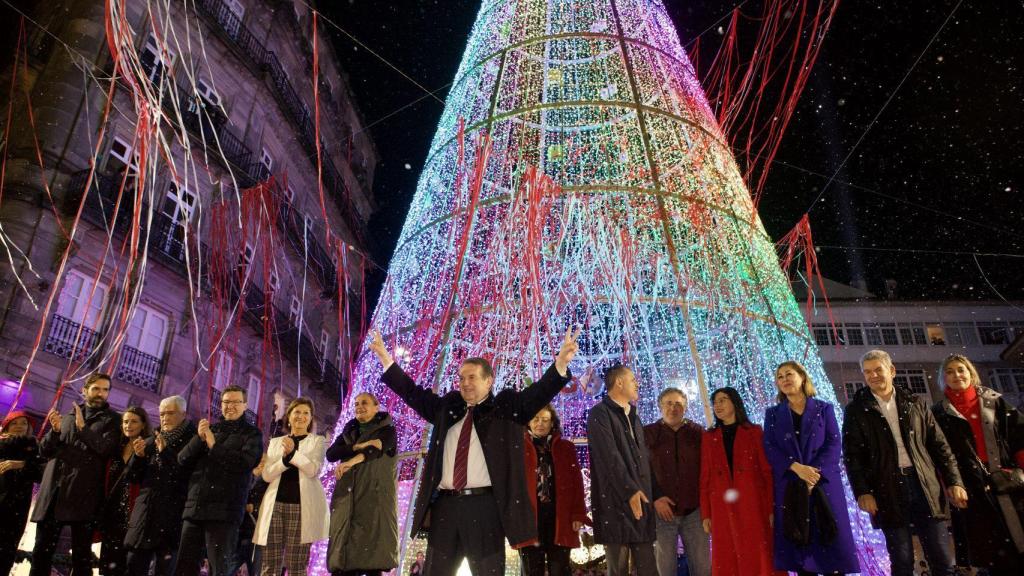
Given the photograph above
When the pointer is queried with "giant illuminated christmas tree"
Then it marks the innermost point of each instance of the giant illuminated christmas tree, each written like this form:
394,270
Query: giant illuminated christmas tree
578,177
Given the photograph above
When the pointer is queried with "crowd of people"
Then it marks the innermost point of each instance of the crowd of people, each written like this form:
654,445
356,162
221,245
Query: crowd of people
743,499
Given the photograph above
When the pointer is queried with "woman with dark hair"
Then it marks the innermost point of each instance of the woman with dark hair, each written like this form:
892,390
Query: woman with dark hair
555,485
20,467
122,489
804,447
986,435
736,491
293,514
364,506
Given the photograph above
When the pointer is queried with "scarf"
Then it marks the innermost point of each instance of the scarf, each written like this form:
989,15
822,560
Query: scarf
968,405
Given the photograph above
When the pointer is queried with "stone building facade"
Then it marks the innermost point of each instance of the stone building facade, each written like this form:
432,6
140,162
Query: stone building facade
235,77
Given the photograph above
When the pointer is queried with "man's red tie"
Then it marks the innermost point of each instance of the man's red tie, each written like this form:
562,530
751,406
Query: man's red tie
462,451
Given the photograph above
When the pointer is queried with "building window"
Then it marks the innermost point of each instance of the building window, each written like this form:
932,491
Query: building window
325,340
73,328
222,374
961,333
266,163
254,392
889,335
274,282
207,92
822,334
914,380
247,254
936,335
295,312
874,335
80,302
1007,380
289,194
994,333
141,358
1016,329
121,157
147,331
854,335
155,61
851,388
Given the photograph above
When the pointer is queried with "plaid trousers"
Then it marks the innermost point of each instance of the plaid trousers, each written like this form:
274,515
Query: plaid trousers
283,548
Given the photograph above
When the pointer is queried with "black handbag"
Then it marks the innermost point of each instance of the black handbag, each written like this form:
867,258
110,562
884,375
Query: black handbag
1007,480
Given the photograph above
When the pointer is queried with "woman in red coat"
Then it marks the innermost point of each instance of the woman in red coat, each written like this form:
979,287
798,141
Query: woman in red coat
736,491
555,485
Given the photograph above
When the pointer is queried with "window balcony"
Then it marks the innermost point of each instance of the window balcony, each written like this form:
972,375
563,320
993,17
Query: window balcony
139,369
69,339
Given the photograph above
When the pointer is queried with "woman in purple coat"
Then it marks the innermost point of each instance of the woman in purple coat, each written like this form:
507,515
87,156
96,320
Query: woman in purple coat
803,445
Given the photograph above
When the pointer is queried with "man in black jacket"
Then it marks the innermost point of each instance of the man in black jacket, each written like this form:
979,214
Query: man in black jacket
79,445
895,454
474,484
621,489
155,523
221,458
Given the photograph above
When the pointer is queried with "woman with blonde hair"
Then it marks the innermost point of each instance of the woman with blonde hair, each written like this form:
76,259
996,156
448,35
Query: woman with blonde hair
986,434
804,448
293,514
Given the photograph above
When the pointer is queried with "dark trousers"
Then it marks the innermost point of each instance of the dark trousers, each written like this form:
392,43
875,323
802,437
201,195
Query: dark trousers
618,556
47,536
248,555
465,527
554,558
220,539
933,534
11,529
164,556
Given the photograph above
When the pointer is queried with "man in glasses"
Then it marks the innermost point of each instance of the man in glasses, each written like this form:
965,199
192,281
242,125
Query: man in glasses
221,457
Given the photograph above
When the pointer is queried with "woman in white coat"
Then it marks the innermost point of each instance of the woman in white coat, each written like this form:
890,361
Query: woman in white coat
294,510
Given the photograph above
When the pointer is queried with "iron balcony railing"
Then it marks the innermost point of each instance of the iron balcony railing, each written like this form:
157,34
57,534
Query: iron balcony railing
139,369
69,339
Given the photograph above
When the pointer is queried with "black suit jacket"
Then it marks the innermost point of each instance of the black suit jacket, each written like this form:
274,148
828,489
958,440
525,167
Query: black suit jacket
499,422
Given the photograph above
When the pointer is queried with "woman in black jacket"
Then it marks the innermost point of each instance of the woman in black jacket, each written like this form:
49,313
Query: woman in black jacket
122,488
986,434
20,467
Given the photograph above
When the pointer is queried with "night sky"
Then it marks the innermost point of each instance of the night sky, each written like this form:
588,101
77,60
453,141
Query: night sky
936,178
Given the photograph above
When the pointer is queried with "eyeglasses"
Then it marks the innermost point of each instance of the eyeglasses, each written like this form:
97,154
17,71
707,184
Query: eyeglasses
232,402
171,413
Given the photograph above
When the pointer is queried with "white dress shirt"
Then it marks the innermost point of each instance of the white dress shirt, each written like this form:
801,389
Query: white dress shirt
476,470
891,416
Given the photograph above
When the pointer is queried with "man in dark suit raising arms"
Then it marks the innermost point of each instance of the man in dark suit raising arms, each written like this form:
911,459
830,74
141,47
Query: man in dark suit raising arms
473,492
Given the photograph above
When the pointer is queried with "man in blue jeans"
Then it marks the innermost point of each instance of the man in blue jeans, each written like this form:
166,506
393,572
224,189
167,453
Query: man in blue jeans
674,443
895,454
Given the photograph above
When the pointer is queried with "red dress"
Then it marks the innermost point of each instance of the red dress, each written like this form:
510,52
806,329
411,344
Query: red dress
738,503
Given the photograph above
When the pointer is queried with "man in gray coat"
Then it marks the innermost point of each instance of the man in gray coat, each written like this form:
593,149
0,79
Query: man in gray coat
621,483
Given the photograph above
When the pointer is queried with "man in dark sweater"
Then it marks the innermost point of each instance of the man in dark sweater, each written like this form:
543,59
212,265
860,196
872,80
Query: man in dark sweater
79,444
474,483
221,458
674,443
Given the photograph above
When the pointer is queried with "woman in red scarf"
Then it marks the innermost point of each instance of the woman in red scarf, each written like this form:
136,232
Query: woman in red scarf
986,434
